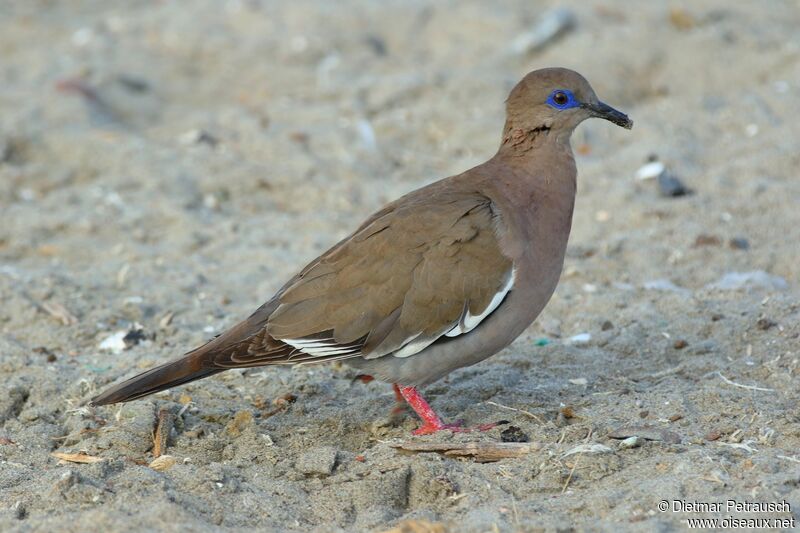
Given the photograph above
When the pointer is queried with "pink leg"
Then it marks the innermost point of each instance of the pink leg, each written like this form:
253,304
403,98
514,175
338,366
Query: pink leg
431,423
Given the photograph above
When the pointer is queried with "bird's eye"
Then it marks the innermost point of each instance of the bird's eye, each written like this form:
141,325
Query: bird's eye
562,99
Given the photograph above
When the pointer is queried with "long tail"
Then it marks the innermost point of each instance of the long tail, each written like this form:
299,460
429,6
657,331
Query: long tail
178,372
200,362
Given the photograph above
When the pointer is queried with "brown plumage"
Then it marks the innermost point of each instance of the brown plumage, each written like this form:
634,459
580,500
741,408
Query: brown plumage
441,278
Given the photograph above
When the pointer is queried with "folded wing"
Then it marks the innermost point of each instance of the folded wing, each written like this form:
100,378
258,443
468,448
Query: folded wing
408,277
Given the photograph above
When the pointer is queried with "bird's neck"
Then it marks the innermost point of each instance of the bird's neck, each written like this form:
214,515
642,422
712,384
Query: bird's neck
517,142
536,173
537,187
520,139
528,147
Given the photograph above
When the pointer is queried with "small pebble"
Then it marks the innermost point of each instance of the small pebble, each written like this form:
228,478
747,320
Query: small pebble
739,243
671,187
681,19
513,434
377,44
133,84
765,323
707,240
680,344
20,512
317,461
704,347
134,336
51,357
284,399
631,442
606,325
67,480
198,136
712,435
241,421
567,412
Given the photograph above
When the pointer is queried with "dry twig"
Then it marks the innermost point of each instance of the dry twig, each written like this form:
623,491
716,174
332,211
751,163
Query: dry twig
482,452
748,387
571,472
77,457
161,434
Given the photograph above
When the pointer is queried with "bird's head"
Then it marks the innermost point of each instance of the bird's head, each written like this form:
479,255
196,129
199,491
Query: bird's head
557,100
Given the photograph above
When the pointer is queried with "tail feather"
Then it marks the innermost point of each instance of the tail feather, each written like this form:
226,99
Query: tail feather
196,364
162,377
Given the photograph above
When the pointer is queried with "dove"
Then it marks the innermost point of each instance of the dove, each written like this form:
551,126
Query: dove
442,278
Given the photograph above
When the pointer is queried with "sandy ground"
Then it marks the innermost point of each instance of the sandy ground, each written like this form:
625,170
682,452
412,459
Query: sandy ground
169,164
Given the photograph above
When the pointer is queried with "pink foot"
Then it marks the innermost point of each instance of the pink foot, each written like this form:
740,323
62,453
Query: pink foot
458,427
427,429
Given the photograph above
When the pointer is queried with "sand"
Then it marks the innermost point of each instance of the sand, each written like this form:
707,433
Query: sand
166,166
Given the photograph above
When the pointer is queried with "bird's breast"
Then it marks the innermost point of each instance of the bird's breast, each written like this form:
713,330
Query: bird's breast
537,221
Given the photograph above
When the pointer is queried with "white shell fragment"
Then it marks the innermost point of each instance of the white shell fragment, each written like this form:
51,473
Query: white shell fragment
114,343
580,339
588,448
650,171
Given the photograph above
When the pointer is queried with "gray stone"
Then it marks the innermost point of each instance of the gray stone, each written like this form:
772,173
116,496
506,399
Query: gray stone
317,461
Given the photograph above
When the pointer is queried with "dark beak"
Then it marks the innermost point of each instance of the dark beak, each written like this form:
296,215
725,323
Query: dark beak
601,110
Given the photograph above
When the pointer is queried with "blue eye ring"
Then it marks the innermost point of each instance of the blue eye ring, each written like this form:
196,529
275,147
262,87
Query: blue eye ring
562,99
